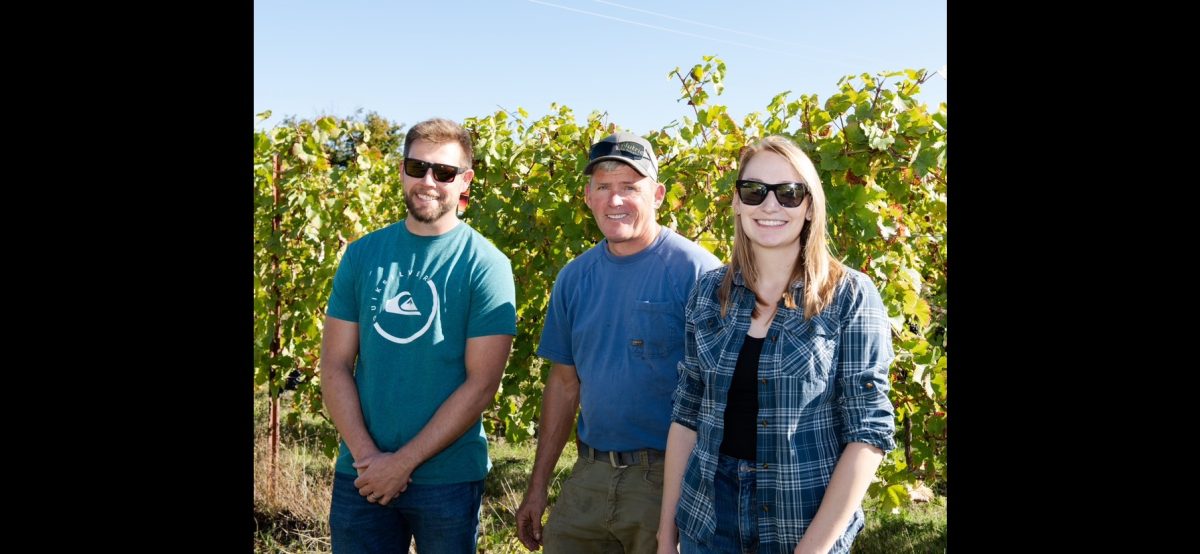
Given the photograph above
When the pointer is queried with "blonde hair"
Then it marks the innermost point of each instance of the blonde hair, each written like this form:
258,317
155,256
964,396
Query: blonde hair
816,265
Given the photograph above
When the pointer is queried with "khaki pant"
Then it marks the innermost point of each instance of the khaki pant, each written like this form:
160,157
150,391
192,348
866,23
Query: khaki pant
603,509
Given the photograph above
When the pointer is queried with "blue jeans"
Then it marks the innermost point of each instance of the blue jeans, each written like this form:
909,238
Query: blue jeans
442,518
737,511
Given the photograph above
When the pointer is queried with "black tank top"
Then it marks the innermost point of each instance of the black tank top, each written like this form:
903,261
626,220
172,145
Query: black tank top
741,408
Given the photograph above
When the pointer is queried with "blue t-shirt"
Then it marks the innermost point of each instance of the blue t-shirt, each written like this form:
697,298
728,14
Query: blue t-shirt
417,300
619,321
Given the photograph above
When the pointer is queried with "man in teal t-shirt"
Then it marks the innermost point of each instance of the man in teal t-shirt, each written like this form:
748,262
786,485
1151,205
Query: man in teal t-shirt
418,330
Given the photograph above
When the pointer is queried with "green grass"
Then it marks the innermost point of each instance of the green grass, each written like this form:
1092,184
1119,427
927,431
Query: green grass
921,528
504,489
295,518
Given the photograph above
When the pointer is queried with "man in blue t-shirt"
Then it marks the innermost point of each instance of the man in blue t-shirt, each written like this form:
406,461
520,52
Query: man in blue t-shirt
614,335
418,330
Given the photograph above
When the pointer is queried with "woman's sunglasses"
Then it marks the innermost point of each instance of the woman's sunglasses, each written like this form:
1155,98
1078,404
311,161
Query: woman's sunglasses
753,193
417,168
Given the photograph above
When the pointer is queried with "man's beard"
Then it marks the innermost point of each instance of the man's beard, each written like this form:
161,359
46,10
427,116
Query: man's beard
426,217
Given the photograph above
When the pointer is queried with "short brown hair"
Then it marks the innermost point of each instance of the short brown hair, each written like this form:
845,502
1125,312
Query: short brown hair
437,131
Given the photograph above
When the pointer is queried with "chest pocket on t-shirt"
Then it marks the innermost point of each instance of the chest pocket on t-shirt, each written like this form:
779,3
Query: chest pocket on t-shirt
656,330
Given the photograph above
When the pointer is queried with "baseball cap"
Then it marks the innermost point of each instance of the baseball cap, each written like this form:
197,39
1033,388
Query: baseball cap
625,147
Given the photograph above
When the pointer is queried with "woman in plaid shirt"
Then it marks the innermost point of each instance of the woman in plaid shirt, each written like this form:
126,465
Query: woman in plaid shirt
781,415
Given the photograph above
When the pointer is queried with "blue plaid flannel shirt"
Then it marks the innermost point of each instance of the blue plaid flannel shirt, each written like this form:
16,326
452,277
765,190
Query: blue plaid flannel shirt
823,383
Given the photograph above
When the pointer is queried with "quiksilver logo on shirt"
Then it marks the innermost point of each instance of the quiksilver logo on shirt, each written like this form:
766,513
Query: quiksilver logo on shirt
409,309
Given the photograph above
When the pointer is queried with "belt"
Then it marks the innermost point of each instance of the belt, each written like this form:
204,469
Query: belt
620,459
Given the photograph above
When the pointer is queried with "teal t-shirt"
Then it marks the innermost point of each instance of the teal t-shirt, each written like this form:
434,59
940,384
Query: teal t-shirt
417,300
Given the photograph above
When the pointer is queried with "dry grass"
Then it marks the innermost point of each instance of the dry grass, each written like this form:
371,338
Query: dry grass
298,508
295,516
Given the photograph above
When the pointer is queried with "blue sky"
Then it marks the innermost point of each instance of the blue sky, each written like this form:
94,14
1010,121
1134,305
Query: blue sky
410,61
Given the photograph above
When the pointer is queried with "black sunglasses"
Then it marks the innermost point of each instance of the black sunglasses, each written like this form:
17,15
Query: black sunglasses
417,168
631,150
753,193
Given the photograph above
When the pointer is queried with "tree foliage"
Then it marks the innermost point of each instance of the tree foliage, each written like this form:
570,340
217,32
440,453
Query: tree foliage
881,154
